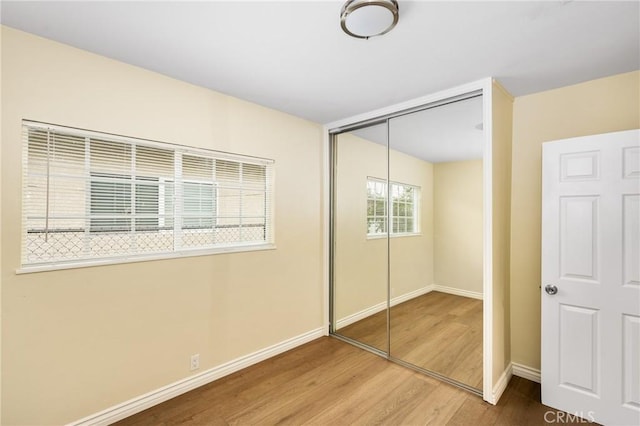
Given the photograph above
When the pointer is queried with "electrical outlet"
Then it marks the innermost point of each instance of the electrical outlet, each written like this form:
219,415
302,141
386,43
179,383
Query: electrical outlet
195,361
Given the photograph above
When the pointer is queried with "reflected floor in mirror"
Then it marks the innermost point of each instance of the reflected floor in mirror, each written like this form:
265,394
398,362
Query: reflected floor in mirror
371,331
437,331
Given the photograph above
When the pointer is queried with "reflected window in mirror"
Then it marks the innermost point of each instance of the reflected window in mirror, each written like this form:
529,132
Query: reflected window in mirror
376,207
404,212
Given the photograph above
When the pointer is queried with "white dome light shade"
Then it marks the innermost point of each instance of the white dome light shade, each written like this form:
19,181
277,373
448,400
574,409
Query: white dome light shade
368,18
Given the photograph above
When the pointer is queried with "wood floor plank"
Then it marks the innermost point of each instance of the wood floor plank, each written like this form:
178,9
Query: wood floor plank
310,392
329,382
358,403
409,398
474,411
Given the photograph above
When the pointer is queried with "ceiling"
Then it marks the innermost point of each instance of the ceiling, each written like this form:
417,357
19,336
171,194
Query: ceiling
292,56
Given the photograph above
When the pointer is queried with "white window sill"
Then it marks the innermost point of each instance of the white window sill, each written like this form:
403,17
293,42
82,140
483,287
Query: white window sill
384,236
73,264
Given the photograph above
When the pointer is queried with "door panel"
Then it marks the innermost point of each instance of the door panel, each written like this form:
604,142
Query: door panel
631,246
591,255
631,356
579,166
579,237
631,161
578,348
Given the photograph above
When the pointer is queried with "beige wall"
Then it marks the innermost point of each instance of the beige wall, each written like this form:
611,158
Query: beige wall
457,215
1,315
599,106
502,124
360,274
77,341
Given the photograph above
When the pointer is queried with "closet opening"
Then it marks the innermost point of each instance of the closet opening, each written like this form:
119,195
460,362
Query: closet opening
408,236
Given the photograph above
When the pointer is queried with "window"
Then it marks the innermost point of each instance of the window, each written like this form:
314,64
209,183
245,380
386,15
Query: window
89,196
111,199
403,209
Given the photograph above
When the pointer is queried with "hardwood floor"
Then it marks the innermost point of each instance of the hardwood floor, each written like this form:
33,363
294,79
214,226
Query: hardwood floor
436,331
329,382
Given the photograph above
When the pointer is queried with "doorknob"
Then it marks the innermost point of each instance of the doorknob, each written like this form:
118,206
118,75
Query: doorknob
551,289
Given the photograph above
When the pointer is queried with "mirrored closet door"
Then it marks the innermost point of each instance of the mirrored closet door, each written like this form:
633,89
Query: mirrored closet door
407,238
436,244
359,233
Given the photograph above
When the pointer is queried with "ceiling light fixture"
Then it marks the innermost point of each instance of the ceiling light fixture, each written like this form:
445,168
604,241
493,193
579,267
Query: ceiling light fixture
368,18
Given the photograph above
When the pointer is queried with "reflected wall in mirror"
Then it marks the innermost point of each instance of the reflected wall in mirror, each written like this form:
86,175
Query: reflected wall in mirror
359,252
436,312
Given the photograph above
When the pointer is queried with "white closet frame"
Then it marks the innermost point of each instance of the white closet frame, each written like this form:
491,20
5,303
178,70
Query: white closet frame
491,391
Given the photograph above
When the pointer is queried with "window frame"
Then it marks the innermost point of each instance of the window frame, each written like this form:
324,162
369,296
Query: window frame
175,229
389,216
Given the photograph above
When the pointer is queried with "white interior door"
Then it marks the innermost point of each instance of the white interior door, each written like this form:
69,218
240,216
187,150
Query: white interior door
591,260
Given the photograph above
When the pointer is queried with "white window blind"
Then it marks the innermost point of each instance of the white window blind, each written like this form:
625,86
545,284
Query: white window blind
89,196
403,208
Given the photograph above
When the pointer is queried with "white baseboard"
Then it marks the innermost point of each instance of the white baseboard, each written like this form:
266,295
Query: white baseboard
457,291
411,295
513,369
501,385
142,402
350,319
526,372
